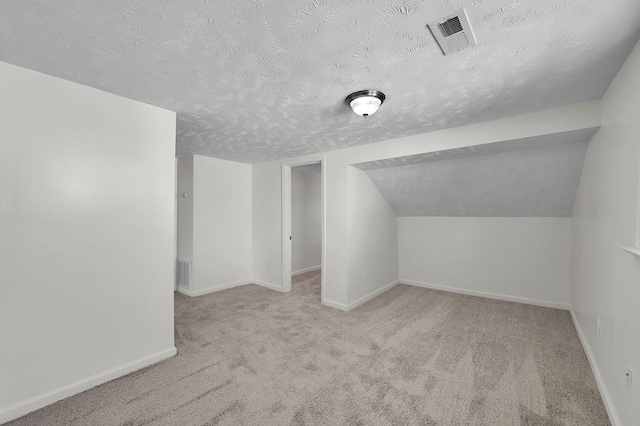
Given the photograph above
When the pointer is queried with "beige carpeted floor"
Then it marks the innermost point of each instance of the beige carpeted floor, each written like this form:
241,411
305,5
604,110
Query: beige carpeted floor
252,356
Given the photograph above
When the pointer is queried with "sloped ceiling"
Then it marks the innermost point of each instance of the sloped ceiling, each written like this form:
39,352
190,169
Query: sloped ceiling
528,177
258,80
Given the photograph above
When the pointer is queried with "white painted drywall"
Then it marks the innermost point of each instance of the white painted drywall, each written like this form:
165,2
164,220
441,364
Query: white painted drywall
373,238
267,223
607,280
306,220
222,246
267,184
185,207
526,258
86,237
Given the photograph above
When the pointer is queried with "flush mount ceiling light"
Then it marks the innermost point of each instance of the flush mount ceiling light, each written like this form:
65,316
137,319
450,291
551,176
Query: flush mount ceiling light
365,102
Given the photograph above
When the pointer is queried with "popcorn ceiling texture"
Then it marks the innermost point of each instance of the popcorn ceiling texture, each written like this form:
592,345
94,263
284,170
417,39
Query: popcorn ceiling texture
528,177
582,135
257,80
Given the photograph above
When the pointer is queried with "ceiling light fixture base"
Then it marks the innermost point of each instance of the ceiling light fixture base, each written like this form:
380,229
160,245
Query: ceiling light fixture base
365,102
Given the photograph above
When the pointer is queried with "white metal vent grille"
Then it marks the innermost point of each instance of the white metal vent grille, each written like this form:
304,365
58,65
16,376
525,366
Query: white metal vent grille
453,32
183,273
450,26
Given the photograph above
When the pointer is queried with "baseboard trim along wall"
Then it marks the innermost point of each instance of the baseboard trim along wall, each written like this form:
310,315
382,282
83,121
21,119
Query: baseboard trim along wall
525,300
267,285
364,299
305,270
195,293
24,407
335,305
604,392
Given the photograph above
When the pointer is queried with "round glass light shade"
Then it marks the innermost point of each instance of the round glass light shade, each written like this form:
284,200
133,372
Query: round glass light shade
365,102
365,105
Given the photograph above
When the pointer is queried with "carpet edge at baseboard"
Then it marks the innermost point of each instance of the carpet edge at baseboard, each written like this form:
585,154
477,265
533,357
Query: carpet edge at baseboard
305,270
367,297
602,387
487,295
22,408
335,305
208,290
266,285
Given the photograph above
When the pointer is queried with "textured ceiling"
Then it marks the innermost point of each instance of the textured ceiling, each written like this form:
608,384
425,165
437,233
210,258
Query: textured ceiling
258,80
528,177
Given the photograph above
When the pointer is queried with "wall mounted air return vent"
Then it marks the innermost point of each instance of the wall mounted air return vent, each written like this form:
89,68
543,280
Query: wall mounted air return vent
183,273
453,32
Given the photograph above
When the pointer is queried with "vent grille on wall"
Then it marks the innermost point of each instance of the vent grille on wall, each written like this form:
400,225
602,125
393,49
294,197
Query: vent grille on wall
183,272
453,32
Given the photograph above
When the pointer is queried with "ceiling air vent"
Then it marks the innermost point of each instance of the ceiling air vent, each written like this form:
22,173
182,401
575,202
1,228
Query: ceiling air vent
450,26
453,32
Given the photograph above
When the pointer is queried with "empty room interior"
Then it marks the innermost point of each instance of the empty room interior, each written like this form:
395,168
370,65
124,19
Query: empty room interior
320,212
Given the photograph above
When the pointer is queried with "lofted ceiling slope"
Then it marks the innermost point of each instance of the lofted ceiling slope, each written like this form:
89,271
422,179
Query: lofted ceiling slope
257,80
529,177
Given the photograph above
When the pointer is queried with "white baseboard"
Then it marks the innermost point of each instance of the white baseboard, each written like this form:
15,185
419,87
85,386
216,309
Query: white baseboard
604,392
360,301
267,285
335,305
525,300
195,293
366,298
305,270
24,407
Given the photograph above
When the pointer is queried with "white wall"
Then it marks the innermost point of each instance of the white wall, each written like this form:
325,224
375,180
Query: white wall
607,280
218,209
221,222
518,258
267,184
267,223
86,237
306,221
185,207
373,239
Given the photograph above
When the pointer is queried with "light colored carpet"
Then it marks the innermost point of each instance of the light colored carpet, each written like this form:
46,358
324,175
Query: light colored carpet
412,356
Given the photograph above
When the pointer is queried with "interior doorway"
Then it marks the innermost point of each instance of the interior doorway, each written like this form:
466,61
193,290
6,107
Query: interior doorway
303,221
